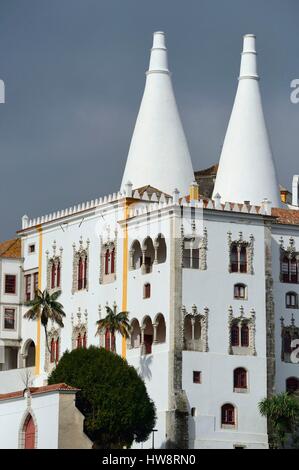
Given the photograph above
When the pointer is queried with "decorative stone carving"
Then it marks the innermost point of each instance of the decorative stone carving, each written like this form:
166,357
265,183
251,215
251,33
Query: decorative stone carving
53,334
192,342
288,334
110,245
240,242
55,259
80,253
240,321
79,326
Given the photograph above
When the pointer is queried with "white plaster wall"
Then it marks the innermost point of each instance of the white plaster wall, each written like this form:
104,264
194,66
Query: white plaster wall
45,409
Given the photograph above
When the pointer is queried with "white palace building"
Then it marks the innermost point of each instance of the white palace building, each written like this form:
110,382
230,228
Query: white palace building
206,264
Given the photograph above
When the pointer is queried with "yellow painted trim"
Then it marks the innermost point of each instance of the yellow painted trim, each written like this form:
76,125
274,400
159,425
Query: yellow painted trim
40,259
124,305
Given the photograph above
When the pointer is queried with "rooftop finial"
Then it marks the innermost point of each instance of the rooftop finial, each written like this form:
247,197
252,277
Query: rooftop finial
158,59
248,67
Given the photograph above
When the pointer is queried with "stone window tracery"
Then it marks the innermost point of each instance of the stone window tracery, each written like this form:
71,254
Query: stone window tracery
54,269
79,330
241,333
195,329
80,266
289,334
240,254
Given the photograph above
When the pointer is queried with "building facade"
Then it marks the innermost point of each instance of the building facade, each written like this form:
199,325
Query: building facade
210,281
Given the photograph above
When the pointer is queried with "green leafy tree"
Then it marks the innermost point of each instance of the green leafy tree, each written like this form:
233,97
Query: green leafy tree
45,307
115,323
112,397
282,411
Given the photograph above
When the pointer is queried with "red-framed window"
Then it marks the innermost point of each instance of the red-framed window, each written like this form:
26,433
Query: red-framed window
82,272
146,291
84,341
289,269
57,350
58,272
245,336
112,264
10,284
27,287
109,340
240,378
228,415
107,261
52,350
196,377
9,318
53,276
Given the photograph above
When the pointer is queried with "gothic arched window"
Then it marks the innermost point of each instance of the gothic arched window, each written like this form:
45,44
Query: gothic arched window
29,433
245,336
228,415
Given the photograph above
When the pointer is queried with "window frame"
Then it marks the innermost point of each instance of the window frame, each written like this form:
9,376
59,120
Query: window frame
15,318
6,275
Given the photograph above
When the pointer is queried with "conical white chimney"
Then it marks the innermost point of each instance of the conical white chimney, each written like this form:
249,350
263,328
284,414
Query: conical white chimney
246,169
158,154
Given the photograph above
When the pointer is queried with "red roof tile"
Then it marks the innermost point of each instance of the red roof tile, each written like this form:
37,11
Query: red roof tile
37,390
286,216
11,248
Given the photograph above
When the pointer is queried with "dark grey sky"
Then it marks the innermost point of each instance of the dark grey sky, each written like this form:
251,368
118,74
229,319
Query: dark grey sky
74,75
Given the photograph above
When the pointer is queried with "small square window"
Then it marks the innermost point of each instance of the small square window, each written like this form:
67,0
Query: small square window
196,377
10,284
31,248
9,318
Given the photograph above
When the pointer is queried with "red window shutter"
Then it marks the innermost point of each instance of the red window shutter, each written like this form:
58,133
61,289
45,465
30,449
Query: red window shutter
240,378
80,274
53,276
107,340
112,261
58,274
245,336
79,341
85,273
57,350
29,430
52,349
84,341
35,282
107,259
228,414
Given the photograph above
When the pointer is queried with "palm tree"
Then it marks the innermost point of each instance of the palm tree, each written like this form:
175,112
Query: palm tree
114,322
282,411
45,307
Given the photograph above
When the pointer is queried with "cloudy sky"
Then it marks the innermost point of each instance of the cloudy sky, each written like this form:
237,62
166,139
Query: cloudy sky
74,76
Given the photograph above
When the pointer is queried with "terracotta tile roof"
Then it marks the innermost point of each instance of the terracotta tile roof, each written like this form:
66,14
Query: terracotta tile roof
11,248
150,190
286,216
37,390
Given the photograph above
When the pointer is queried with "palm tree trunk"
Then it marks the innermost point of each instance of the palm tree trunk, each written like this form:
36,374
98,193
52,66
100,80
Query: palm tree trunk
46,335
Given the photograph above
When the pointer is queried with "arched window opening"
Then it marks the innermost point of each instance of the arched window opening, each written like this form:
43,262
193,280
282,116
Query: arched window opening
293,270
146,291
287,341
243,259
161,249
235,335
234,258
188,336
240,378
292,385
148,255
30,359
58,271
112,269
148,335
135,334
228,415
57,350
197,328
84,341
107,261
29,433
80,274
161,329
109,340
245,336
240,291
79,341
52,350
136,255
291,300
53,276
